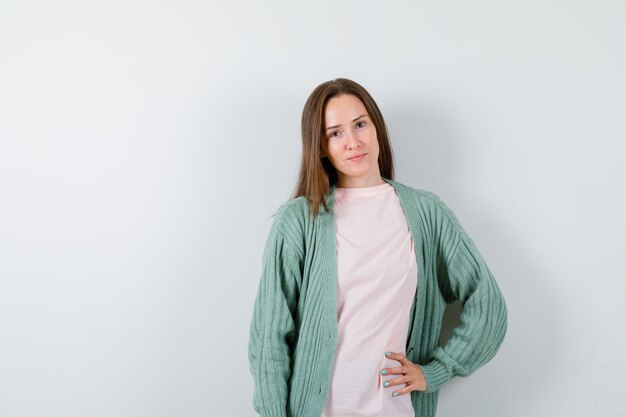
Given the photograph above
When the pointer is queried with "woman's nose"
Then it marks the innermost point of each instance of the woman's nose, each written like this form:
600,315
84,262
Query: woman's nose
351,140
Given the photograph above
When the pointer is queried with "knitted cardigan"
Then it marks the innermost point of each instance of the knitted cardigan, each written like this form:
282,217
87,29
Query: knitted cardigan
293,331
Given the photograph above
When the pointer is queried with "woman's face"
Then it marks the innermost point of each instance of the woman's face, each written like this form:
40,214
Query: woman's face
349,133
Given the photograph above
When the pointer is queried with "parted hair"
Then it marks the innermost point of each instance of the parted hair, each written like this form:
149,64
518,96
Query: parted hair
317,174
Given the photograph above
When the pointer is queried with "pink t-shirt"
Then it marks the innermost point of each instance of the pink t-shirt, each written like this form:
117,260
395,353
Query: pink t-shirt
376,283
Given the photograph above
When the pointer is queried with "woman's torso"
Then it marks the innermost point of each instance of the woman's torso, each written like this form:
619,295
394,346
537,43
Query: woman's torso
376,283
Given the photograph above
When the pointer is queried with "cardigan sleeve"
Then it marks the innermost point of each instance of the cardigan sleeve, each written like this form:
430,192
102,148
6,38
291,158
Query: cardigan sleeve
463,275
272,329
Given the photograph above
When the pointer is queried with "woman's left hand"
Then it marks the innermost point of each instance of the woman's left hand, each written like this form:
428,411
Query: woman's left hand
411,373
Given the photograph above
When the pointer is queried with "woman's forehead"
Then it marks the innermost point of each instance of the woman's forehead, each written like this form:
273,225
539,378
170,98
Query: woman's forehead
344,108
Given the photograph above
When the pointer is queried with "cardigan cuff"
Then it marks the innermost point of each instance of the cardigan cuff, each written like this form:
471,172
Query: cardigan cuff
435,374
273,411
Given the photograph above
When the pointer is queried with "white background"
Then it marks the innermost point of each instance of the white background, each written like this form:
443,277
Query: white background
145,144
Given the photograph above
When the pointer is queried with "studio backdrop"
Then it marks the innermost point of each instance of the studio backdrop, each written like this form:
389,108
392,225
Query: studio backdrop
144,146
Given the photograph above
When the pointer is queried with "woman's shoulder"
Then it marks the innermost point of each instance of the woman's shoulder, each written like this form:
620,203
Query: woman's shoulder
429,204
289,221
420,195
434,209
291,215
293,209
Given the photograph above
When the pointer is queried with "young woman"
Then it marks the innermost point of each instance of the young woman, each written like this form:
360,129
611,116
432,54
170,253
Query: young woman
357,271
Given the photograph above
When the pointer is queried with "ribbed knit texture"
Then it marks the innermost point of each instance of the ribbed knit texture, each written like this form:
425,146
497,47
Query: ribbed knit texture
293,332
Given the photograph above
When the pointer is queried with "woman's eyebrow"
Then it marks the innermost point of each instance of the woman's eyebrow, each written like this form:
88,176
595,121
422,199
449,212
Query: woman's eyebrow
354,120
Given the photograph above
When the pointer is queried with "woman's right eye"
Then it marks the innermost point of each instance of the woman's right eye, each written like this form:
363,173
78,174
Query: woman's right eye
332,133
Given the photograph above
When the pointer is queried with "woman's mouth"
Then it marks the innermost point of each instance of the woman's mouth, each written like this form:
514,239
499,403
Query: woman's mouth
358,157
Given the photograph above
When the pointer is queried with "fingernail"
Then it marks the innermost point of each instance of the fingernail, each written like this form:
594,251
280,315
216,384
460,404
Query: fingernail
395,394
386,384
387,353
383,372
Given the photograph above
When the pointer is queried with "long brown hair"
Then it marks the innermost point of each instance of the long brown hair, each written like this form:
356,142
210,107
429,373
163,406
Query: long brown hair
317,174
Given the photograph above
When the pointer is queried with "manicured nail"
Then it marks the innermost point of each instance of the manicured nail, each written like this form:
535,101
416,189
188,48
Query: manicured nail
383,372
395,394
386,384
387,353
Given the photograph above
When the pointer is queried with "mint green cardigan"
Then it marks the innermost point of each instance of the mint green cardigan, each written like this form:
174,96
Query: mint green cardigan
293,331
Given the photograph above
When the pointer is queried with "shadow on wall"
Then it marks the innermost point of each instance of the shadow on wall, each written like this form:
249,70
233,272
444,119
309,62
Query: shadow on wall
432,140
451,320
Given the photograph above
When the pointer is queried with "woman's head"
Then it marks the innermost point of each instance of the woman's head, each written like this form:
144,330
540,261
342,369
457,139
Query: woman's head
349,141
340,119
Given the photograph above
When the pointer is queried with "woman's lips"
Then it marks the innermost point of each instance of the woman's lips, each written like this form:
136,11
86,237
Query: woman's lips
357,158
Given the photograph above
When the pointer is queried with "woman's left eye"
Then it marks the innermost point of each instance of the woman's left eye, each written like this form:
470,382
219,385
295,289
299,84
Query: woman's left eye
360,123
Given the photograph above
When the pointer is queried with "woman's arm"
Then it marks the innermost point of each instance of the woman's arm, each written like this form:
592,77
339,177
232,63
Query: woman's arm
463,275
272,329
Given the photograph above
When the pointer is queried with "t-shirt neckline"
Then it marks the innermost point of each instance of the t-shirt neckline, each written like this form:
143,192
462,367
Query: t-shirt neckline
356,193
